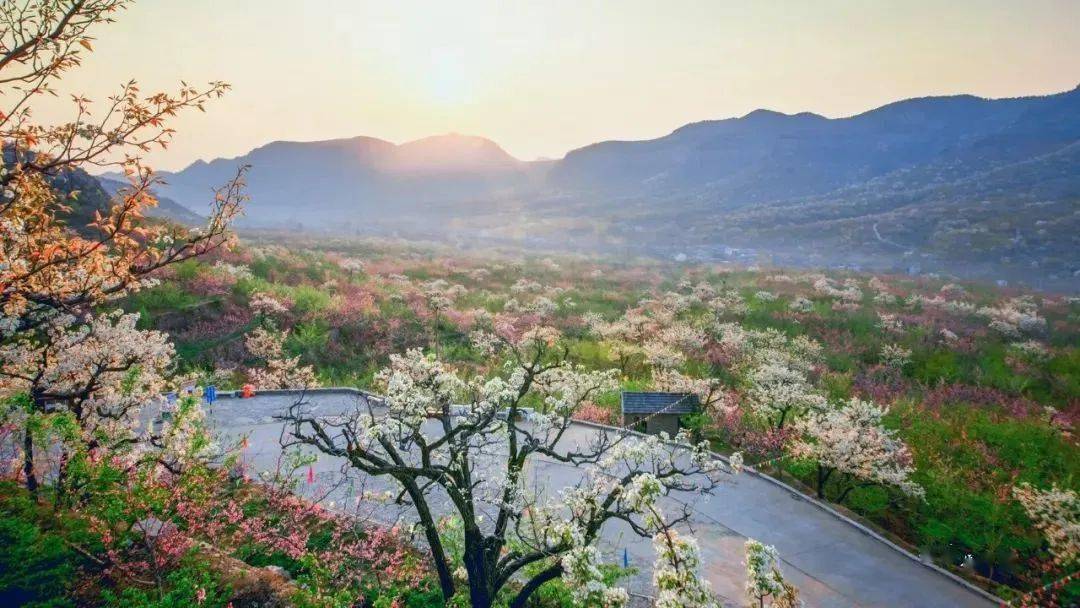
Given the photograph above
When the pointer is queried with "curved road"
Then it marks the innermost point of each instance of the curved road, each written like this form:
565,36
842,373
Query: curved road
833,562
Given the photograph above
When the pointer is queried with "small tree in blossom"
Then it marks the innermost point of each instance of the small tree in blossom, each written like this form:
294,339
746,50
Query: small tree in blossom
1056,513
96,375
764,580
851,447
278,370
475,455
677,573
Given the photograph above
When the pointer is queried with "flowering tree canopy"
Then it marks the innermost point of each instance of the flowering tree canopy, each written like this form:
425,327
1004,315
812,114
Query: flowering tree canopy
57,267
1056,513
764,580
278,370
850,440
471,439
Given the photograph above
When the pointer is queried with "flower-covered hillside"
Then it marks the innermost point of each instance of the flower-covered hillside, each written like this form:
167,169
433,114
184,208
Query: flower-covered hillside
923,405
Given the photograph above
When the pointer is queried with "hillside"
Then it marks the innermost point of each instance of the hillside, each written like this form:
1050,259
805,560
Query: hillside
797,189
166,208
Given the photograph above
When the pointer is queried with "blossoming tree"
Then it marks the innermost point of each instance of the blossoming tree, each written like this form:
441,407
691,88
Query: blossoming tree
60,258
764,579
1056,513
463,446
851,446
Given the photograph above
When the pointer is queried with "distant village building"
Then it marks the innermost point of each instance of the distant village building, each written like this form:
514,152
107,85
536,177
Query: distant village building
655,412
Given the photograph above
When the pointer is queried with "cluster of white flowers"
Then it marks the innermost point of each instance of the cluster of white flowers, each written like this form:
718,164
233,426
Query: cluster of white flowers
106,363
662,355
565,388
848,293
952,306
1032,350
875,283
778,389
266,304
952,289
236,271
709,391
801,304
351,265
703,292
581,573
278,370
852,439
417,387
540,305
729,303
890,322
1015,318
884,298
440,294
675,302
526,286
765,296
676,573
182,438
764,580
1056,513
762,576
895,356
479,274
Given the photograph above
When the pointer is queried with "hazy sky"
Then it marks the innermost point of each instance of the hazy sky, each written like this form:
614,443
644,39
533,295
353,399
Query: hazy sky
543,78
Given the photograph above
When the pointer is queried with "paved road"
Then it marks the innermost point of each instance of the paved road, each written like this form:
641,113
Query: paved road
833,563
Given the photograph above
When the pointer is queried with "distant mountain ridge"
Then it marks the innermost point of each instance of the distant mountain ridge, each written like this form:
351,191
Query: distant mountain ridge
797,187
316,183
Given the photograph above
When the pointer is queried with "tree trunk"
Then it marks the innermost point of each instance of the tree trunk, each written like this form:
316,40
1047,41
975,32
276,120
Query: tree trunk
480,593
431,533
28,463
822,477
552,573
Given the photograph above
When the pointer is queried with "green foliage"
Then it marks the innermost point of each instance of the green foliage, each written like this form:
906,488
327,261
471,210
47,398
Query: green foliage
37,568
183,588
308,338
309,300
935,366
967,460
167,297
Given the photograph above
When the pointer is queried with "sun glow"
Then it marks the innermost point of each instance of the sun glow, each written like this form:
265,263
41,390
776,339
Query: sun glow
447,79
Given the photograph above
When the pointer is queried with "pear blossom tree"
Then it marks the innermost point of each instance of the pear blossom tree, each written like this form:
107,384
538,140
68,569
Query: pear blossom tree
676,572
764,579
852,447
777,371
779,390
462,446
277,369
1056,513
63,364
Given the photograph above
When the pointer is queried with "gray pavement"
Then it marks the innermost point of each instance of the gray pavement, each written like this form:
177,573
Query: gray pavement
832,561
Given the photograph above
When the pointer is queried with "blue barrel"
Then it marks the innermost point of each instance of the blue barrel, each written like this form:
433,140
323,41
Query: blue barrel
210,394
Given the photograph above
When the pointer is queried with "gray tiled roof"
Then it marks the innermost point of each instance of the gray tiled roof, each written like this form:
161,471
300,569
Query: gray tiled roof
651,403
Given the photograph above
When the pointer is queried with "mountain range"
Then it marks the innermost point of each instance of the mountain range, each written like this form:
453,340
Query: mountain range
959,184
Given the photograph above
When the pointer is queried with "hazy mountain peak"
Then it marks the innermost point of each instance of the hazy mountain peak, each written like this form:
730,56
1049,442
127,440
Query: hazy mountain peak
451,153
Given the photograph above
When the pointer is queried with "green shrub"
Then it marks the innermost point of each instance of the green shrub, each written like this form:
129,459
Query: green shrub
36,567
182,589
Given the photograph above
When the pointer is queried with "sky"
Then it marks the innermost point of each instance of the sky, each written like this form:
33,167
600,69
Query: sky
542,78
